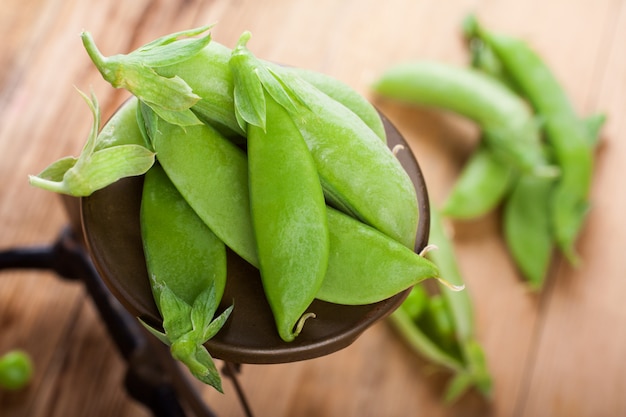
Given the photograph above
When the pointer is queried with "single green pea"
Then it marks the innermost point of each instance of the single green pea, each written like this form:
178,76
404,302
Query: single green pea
186,264
439,325
507,124
286,197
16,370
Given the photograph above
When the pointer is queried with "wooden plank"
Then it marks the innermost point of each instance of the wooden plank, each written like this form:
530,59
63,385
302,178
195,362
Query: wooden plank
549,354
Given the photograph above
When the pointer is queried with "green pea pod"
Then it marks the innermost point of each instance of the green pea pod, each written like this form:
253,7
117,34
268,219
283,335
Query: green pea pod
346,95
566,133
212,175
422,344
481,186
366,266
527,227
438,324
286,197
506,122
359,174
186,264
116,152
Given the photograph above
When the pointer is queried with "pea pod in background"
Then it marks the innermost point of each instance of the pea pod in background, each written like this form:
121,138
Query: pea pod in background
186,264
441,327
505,121
481,186
566,133
286,197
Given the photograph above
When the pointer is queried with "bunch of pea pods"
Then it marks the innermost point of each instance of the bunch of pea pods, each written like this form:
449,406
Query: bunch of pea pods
287,168
534,160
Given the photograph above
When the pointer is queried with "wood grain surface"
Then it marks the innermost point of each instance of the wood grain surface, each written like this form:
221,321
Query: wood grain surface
556,353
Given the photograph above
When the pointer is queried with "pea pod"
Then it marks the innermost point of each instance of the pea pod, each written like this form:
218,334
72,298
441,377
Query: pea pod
365,266
444,332
212,175
286,197
565,132
507,124
527,227
359,174
186,264
481,186
346,95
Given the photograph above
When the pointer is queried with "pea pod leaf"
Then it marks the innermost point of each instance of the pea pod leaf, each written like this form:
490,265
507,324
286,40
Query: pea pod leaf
188,327
136,72
252,78
93,170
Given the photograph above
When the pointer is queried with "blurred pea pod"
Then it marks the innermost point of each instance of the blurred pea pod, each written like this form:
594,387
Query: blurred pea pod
481,186
441,326
566,133
507,124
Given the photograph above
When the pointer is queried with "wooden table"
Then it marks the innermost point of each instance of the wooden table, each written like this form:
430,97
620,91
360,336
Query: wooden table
559,352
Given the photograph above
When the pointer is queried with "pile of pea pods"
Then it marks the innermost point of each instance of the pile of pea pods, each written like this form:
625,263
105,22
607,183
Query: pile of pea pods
534,161
286,167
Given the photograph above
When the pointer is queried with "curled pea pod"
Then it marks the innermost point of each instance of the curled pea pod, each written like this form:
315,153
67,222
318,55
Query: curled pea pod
117,151
186,263
566,133
212,175
444,330
286,197
481,186
507,124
